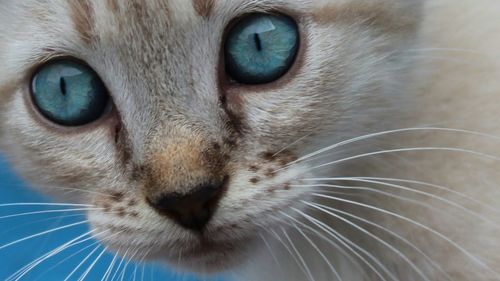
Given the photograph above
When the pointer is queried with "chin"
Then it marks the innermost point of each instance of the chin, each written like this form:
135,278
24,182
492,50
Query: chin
206,256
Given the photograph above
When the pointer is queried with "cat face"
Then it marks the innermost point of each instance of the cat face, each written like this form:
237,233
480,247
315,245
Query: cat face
189,160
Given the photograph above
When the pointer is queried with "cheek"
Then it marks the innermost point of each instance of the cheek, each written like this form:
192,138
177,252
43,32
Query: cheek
118,213
118,204
293,120
259,184
52,159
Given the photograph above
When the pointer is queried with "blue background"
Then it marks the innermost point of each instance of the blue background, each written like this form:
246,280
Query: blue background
57,268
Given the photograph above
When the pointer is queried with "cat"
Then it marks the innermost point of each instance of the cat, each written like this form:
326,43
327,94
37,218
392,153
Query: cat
266,139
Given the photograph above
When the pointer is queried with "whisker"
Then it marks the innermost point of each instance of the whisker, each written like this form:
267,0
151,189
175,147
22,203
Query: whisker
439,187
81,263
389,132
38,221
122,259
92,265
405,188
433,231
27,268
290,145
411,149
326,239
142,272
93,244
105,277
144,255
135,272
122,273
271,252
179,258
302,261
290,251
24,270
345,241
332,268
376,238
42,233
50,211
446,59
127,264
394,234
46,204
71,189
67,258
347,187
458,50
439,198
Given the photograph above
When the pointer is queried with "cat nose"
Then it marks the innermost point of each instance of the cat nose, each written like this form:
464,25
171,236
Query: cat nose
193,210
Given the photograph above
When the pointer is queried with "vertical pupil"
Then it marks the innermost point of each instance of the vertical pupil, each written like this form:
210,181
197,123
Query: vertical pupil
62,84
258,43
261,48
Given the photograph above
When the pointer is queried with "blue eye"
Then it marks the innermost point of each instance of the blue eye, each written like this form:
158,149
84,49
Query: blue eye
261,48
69,93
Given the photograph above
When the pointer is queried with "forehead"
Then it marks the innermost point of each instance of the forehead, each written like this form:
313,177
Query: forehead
175,23
166,13
63,25
87,17
136,32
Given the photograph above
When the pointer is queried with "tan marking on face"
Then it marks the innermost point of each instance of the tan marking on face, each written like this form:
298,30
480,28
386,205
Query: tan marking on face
374,14
253,168
204,7
121,212
254,180
7,92
107,207
182,165
270,173
132,202
82,16
40,14
113,6
117,196
268,156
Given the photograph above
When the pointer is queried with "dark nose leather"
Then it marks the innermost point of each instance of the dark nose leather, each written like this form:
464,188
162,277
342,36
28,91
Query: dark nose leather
193,210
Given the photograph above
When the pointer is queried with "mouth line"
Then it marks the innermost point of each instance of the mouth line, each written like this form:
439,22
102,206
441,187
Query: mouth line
205,244
208,248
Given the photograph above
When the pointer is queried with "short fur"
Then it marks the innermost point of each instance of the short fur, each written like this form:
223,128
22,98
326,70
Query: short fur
365,66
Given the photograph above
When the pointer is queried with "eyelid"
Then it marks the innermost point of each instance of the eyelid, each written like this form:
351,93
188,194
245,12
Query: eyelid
47,55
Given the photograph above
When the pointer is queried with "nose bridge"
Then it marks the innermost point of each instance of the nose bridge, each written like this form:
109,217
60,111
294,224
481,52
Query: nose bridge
180,162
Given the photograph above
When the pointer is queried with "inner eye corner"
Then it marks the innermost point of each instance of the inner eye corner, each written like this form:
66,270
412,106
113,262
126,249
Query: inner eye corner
66,93
275,40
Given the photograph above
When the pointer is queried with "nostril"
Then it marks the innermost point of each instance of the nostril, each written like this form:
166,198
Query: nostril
192,210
